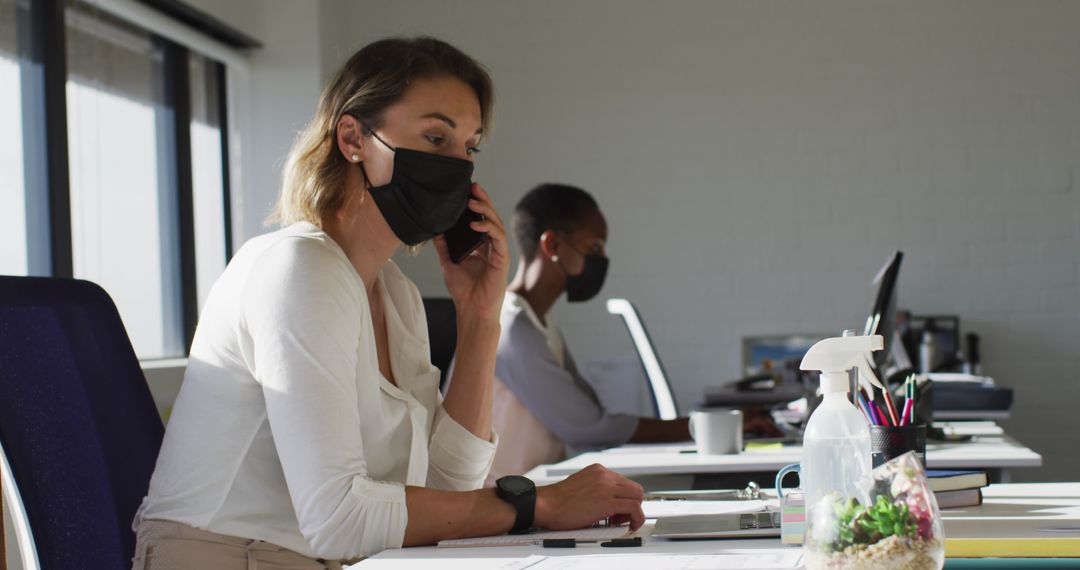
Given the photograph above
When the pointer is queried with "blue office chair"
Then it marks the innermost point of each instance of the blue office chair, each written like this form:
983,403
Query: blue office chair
78,427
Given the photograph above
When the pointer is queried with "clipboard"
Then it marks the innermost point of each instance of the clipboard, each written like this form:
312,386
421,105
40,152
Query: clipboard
762,524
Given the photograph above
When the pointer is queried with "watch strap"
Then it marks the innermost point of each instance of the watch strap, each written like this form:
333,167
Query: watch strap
526,511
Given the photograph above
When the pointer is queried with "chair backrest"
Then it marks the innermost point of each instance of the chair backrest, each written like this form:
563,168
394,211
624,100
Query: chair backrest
663,399
442,333
77,422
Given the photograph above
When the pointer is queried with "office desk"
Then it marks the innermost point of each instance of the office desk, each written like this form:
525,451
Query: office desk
1011,512
992,450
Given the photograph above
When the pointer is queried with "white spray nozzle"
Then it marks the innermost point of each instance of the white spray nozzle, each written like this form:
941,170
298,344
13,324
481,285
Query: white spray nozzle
835,356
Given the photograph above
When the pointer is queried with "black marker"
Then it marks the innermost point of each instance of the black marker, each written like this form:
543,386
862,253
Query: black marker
622,542
559,543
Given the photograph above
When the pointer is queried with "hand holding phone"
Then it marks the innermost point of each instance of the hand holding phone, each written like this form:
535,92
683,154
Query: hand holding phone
461,240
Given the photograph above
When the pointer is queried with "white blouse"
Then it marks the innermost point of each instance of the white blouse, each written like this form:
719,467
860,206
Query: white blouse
285,430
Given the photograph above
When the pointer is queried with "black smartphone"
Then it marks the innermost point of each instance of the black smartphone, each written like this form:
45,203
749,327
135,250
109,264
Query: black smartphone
461,240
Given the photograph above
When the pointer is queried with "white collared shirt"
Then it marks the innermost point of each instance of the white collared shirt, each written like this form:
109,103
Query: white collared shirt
285,430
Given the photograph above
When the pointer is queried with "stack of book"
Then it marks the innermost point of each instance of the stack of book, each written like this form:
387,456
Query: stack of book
957,488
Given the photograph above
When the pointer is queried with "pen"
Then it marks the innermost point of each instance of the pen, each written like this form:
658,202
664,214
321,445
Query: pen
907,400
890,406
876,417
866,409
572,542
871,402
881,419
873,412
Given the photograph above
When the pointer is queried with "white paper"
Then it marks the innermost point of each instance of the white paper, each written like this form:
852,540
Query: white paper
449,563
657,509
597,533
764,560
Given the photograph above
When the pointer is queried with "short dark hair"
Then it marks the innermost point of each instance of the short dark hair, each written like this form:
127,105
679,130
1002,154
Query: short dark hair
549,207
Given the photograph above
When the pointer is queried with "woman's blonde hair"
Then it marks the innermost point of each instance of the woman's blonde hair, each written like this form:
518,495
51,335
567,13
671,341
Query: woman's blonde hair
313,181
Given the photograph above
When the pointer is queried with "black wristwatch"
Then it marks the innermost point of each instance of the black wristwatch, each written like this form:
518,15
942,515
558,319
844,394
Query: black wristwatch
521,493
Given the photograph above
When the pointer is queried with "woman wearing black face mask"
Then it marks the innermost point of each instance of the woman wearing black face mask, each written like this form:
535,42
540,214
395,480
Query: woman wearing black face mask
542,404
310,431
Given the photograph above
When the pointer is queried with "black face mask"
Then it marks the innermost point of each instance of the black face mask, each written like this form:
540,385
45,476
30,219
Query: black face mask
587,284
426,195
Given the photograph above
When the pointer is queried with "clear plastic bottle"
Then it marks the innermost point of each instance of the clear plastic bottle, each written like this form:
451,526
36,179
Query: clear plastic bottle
836,449
836,443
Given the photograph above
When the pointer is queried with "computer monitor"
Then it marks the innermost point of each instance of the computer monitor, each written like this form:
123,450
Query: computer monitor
882,319
774,351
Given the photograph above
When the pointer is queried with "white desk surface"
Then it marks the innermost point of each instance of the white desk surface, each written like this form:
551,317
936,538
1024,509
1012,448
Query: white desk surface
467,558
1019,510
1040,504
991,449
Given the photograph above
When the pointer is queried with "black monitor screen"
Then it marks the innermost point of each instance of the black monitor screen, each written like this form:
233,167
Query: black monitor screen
882,318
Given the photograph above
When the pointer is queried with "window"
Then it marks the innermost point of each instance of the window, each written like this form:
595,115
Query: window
114,156
12,188
23,231
209,177
123,212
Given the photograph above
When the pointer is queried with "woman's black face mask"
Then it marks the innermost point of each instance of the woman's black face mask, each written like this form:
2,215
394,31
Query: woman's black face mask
426,195
587,284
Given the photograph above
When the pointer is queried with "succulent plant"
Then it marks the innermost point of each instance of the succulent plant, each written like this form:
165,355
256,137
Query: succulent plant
866,525
884,519
847,511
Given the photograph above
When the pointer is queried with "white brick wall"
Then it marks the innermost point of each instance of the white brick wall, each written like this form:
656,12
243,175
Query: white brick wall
757,162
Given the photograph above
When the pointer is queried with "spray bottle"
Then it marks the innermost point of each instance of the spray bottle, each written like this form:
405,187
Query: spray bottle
836,443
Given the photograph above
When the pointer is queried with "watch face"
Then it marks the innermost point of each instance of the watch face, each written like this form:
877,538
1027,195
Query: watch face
516,485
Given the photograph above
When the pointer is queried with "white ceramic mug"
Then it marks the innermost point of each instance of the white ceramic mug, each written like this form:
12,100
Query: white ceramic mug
717,431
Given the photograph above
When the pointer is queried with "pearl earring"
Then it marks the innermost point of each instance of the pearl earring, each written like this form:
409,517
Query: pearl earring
355,158
554,259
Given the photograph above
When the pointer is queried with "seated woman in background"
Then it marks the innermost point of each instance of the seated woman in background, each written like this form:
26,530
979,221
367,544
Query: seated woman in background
309,430
544,408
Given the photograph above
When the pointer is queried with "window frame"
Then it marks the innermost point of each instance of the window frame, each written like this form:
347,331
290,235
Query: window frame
51,186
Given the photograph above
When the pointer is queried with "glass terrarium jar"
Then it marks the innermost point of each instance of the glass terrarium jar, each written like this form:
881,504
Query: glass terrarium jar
898,528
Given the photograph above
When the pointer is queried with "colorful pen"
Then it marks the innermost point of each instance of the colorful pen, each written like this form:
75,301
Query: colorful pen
891,407
866,410
882,419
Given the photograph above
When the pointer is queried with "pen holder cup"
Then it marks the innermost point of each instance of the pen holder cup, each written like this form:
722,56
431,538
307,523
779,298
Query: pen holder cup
888,442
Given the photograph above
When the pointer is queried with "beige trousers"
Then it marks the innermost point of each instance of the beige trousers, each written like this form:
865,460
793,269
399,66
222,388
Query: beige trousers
167,545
